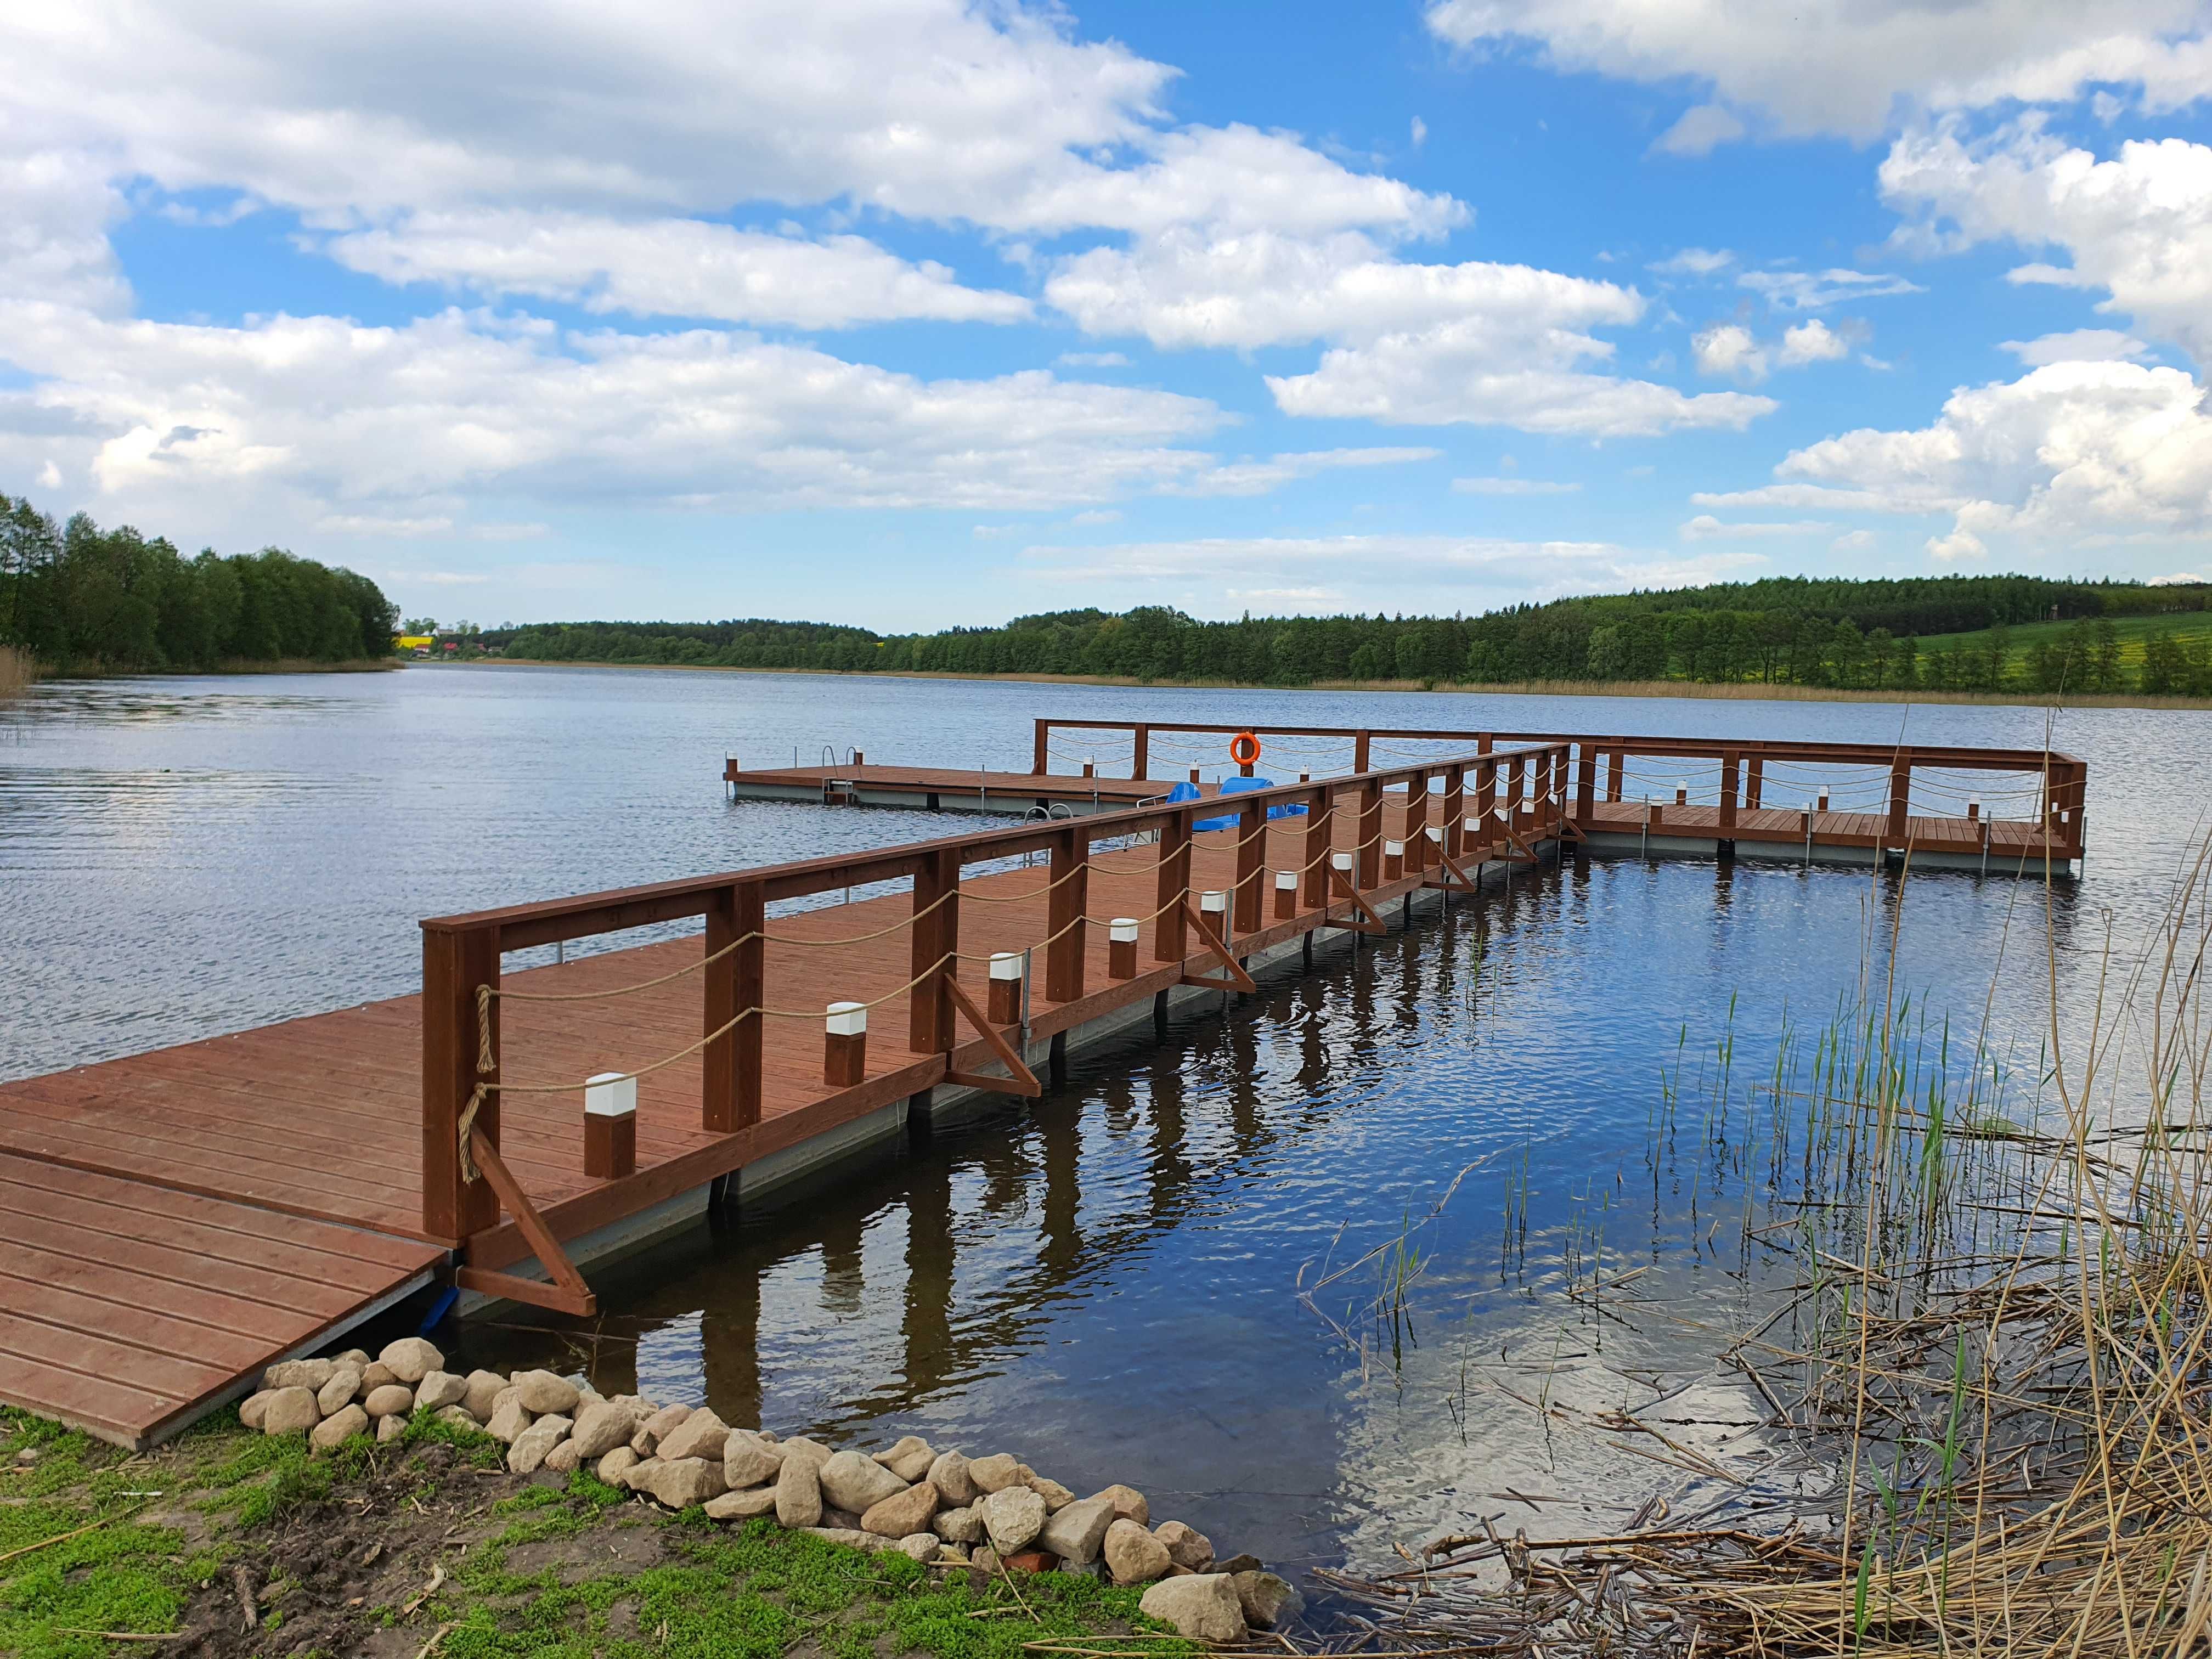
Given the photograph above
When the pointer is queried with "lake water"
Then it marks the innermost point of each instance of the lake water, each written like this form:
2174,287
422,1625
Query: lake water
1108,1283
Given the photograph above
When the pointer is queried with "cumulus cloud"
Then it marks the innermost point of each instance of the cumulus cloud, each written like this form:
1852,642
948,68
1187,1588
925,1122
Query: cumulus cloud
191,417
668,267
1701,129
1847,68
1811,342
2071,453
1694,262
2078,345
1727,349
1853,541
2137,227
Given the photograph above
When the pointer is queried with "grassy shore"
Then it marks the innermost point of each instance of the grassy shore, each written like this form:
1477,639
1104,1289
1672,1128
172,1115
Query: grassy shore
229,1543
1693,689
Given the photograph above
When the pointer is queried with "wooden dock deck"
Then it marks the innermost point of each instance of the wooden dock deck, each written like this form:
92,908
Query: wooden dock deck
177,1221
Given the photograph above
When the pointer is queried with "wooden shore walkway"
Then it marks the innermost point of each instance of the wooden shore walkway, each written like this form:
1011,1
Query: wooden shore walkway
172,1222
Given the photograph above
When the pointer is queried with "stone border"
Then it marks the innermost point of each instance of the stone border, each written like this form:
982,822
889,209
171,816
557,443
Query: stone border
940,1508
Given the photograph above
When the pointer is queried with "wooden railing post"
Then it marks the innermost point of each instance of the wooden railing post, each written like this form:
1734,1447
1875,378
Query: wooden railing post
1041,753
1486,799
1516,789
1361,742
730,1066
936,934
1585,785
1900,796
1142,748
1321,833
1171,886
1455,808
1246,902
1731,772
1616,767
1755,784
1368,871
1064,910
455,962
1417,823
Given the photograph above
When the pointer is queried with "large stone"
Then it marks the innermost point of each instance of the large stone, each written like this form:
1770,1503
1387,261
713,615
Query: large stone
1013,1515
375,1375
389,1429
411,1359
903,1514
654,1427
749,1461
344,1383
1056,1497
563,1459
909,1460
1128,1503
1133,1556
1076,1531
508,1421
702,1434
638,1477
616,1465
459,1417
950,1475
545,1392
356,1357
251,1407
854,1481
290,1410
742,1505
852,1539
799,1492
393,1399
1202,1606
920,1546
601,1427
339,1428
1187,1546
483,1396
683,1481
308,1374
440,1388
1268,1600
962,1525
528,1449
995,1473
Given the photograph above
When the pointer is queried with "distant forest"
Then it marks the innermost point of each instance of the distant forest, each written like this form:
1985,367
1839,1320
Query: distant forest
1782,631
79,597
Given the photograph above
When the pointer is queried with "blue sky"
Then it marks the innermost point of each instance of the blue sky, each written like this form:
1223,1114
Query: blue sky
909,312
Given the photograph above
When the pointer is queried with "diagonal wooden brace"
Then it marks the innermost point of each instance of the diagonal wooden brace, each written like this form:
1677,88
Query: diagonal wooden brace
1238,979
1466,884
567,1294
1372,925
1527,852
1019,1079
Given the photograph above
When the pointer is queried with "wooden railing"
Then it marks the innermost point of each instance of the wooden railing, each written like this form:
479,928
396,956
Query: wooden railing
1517,796
1746,767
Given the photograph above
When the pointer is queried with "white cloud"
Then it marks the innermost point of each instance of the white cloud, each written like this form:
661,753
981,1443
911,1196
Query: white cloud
1894,496
1853,541
2070,454
1811,342
1700,129
1846,67
2180,578
1256,478
435,578
2137,227
207,420
1403,566
50,476
1707,528
1091,360
1727,349
1809,290
1420,132
383,529
1098,515
2077,346
1512,487
668,267
1695,262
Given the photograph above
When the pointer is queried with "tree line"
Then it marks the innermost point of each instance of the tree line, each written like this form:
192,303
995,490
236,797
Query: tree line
1782,631
75,597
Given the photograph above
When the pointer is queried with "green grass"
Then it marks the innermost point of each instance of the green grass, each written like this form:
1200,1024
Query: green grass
2187,626
755,1593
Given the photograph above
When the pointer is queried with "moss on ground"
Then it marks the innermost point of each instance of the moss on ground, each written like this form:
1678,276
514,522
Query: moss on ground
440,1547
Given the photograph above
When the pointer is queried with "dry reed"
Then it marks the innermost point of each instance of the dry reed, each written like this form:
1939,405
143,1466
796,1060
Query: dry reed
1997,1352
17,671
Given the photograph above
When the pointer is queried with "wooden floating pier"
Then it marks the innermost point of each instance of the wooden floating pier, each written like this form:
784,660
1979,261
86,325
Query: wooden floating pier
173,1221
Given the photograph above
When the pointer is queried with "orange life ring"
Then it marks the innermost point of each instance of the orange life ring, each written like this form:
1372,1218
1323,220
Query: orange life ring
1244,749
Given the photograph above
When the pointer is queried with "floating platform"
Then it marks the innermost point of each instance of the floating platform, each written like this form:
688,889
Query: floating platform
175,1221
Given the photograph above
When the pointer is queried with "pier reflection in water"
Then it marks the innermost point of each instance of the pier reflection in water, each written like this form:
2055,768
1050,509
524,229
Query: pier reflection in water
1108,1284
